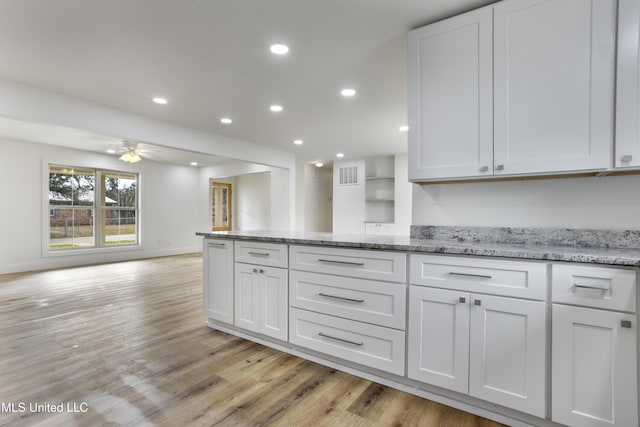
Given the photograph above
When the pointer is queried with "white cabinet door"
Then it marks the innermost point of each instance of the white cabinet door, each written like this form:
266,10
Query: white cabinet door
273,295
553,85
247,284
450,98
261,296
507,352
218,280
594,381
627,151
439,337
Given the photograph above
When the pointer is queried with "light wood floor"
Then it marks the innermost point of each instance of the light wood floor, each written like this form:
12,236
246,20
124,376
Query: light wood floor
127,342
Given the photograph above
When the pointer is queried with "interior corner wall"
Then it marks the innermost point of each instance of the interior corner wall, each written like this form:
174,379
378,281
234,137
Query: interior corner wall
253,201
169,203
318,198
608,202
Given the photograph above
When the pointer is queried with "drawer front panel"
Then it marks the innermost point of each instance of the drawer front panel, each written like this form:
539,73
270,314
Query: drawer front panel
373,346
360,263
269,254
598,287
380,303
506,278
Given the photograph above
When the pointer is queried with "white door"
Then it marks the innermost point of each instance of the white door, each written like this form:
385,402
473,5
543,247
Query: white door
507,352
627,152
450,98
439,337
274,302
553,90
218,280
594,381
247,296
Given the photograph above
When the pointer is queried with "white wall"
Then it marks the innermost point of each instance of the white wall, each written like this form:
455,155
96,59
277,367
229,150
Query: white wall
318,196
348,200
169,206
403,194
253,201
610,202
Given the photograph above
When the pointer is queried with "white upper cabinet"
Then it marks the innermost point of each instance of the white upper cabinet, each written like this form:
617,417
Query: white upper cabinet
523,87
627,151
553,85
450,98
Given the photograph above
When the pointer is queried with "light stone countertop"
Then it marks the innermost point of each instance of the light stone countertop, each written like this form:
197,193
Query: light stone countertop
531,251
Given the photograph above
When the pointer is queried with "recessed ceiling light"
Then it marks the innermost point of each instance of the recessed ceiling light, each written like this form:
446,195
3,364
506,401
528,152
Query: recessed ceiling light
340,155
280,49
276,108
111,151
194,163
298,142
319,164
348,92
403,128
226,120
159,100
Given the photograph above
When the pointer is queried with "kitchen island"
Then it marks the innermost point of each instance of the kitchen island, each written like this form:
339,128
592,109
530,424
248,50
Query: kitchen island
526,327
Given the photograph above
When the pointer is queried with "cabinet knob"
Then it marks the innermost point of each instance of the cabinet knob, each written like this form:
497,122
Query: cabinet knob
462,300
255,270
626,158
261,271
484,169
625,323
477,302
499,167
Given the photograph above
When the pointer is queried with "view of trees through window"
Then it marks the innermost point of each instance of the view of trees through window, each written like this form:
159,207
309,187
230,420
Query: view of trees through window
79,219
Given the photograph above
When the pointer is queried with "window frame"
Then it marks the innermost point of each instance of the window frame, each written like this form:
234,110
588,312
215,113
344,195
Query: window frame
97,208
229,186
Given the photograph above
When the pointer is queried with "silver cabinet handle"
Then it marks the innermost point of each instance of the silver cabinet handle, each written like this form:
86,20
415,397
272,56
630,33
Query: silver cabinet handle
462,300
626,158
258,253
343,298
340,339
599,288
342,262
477,302
255,270
499,167
625,323
220,245
484,169
261,271
482,276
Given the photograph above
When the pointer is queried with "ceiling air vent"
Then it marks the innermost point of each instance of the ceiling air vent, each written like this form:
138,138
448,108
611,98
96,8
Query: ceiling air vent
349,176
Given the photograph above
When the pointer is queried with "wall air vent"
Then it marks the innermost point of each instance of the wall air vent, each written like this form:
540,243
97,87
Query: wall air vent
349,175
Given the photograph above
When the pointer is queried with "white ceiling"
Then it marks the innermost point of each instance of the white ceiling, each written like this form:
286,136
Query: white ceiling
210,58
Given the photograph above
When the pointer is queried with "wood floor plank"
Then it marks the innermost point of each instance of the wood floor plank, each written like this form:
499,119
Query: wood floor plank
129,341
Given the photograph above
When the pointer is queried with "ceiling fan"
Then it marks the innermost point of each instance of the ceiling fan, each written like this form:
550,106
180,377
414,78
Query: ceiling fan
130,154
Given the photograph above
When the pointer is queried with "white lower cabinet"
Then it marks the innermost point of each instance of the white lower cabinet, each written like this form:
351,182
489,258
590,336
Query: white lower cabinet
490,347
218,280
261,302
594,346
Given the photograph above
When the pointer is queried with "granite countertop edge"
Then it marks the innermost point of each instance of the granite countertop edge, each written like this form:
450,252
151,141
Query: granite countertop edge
589,255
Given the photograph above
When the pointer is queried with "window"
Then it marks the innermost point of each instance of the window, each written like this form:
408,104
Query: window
77,219
220,206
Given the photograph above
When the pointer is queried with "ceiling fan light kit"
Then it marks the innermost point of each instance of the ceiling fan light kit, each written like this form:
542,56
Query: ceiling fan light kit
130,157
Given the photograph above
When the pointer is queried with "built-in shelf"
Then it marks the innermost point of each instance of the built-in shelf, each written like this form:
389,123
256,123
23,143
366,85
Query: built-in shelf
373,178
379,190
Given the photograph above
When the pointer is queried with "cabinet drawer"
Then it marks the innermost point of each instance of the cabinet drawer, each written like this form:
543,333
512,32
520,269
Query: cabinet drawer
270,254
364,264
598,287
380,303
373,346
507,278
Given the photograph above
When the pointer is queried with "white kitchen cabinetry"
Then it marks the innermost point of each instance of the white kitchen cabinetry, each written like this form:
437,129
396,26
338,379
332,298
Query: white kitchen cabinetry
487,346
218,280
350,304
261,291
594,348
549,109
450,98
627,148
